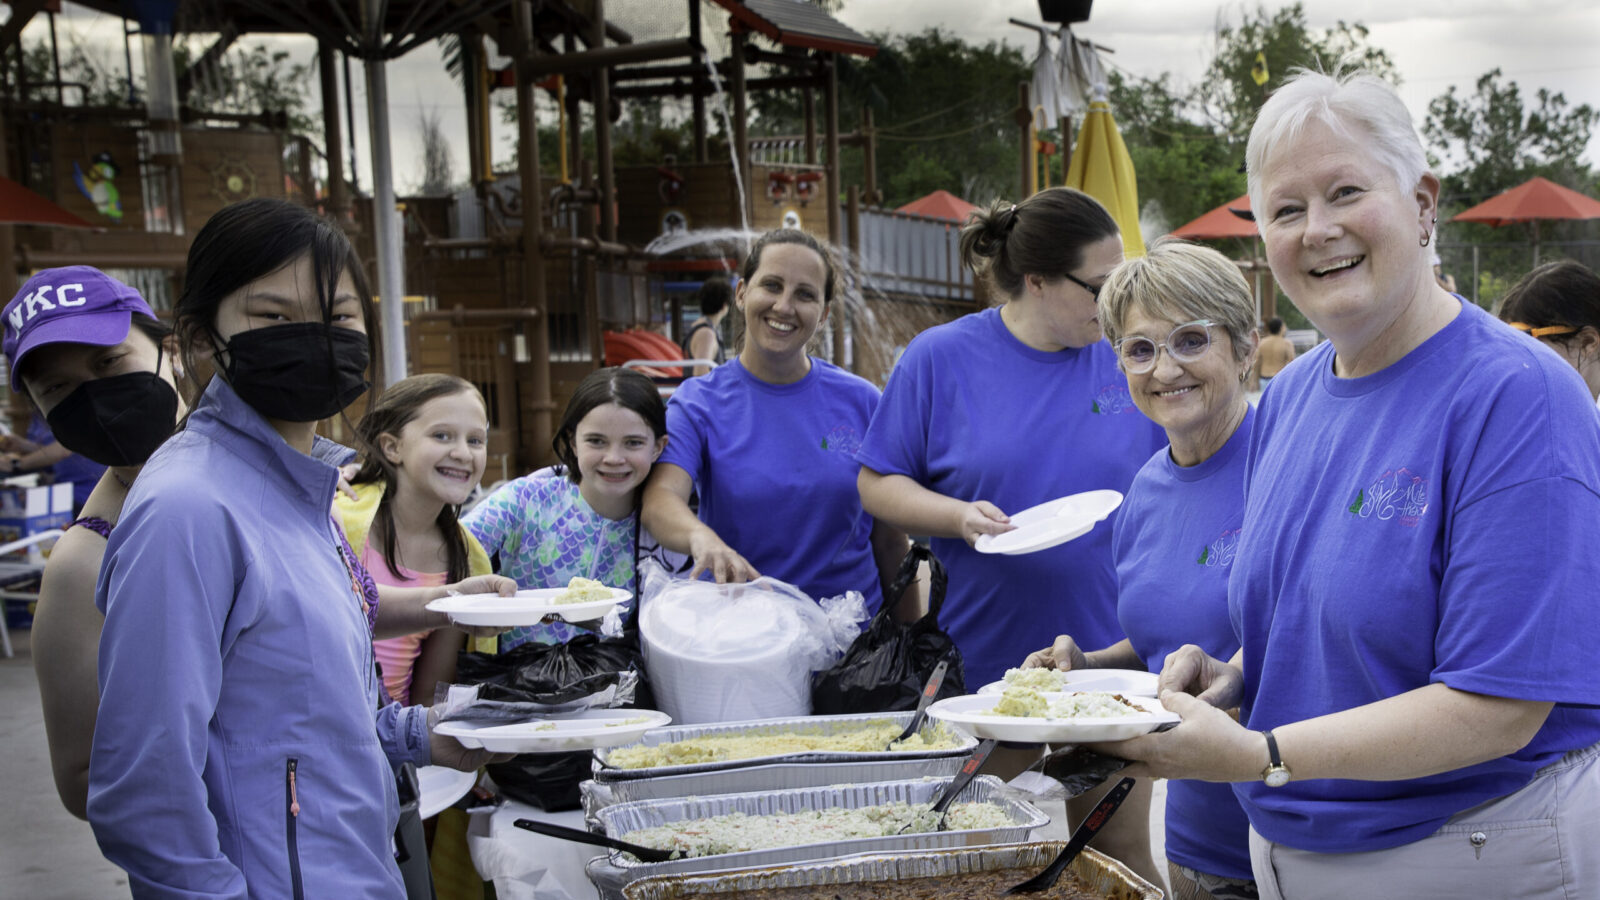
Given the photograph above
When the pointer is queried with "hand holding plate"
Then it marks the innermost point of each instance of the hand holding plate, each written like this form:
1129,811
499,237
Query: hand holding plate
1063,654
980,518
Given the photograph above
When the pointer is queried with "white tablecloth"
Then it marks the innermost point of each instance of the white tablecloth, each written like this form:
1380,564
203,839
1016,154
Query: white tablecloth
528,866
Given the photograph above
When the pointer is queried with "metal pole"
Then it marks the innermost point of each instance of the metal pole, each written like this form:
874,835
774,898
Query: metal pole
830,103
537,331
350,120
1024,119
338,200
701,152
808,105
869,156
600,91
1475,273
740,149
386,224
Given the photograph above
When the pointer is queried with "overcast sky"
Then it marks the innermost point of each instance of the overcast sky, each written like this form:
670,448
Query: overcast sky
1553,44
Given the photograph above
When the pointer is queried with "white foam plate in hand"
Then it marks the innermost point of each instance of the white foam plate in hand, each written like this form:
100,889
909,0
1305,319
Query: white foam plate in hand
595,728
441,787
523,608
973,714
1128,682
1050,524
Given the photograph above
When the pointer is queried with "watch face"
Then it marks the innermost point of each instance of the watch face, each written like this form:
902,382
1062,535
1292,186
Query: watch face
1276,776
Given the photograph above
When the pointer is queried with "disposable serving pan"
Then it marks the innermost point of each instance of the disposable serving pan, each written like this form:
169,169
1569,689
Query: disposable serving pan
617,869
604,772
598,795
1100,872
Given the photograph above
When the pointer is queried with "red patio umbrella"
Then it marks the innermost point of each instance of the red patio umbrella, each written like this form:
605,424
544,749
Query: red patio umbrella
1532,202
20,206
940,205
1225,221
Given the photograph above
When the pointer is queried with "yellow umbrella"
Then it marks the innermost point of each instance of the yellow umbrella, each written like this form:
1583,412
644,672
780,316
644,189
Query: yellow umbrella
1102,169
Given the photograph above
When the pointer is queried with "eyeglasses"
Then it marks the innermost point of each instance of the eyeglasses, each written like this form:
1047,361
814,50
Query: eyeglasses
1093,289
1546,331
1186,344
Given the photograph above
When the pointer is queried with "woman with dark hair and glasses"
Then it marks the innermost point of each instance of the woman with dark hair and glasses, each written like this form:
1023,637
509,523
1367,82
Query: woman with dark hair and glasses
1559,303
1006,409
241,745
1182,321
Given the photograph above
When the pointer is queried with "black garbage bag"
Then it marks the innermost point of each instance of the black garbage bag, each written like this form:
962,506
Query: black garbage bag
888,664
553,673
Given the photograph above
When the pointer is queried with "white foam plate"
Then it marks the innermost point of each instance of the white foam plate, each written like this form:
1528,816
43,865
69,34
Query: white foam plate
1128,682
524,608
441,787
595,728
1050,524
972,715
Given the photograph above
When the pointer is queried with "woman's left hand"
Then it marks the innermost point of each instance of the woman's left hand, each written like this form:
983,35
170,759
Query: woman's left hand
447,751
1208,745
347,472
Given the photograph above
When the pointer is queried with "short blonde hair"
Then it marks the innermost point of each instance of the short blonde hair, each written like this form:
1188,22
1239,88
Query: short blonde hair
1180,282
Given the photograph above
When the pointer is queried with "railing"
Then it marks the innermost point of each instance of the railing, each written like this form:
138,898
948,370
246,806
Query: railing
903,253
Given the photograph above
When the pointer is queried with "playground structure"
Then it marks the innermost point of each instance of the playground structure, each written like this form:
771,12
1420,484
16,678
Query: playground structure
516,290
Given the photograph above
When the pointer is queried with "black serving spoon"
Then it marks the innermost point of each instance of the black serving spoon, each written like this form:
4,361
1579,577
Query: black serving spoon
645,854
928,691
1085,832
969,770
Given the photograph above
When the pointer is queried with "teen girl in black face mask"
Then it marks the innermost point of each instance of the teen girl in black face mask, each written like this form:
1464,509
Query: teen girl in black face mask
94,360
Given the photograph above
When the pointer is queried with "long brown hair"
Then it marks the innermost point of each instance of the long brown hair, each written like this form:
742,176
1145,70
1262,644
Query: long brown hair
393,410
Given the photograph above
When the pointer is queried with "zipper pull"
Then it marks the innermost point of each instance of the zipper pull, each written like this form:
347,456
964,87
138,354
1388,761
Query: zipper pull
294,797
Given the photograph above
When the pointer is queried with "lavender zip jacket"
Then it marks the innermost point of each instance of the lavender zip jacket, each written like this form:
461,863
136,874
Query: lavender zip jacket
240,749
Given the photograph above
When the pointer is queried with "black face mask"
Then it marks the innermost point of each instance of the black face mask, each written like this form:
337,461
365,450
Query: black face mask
116,421
302,372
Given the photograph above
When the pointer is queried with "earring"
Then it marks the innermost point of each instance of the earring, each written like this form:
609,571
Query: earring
1427,236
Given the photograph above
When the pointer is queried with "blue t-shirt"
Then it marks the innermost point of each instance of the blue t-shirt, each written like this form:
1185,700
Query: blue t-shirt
1174,546
775,468
1432,522
975,414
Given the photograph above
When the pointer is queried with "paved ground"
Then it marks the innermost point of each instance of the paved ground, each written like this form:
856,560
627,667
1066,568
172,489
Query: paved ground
45,854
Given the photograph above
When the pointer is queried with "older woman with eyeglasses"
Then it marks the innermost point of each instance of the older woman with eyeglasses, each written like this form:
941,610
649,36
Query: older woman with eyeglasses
1182,322
1414,590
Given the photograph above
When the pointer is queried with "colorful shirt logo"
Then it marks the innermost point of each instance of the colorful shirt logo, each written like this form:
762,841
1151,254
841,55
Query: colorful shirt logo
842,439
1219,553
1396,494
1111,400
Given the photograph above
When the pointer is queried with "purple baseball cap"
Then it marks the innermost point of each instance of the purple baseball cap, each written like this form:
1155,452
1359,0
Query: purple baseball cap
71,305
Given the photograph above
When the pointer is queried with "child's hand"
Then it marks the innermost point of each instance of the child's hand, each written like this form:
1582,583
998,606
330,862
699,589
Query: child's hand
347,472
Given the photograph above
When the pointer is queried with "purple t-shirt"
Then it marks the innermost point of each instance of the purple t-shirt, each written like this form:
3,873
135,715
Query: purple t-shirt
1430,523
775,468
1174,545
973,413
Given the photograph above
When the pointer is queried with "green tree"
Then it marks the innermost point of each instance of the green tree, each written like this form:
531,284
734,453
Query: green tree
253,80
1501,142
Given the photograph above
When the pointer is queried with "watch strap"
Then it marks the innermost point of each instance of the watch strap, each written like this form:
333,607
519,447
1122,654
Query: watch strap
1274,761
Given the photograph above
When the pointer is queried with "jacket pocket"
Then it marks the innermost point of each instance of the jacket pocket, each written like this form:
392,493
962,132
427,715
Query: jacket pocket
291,800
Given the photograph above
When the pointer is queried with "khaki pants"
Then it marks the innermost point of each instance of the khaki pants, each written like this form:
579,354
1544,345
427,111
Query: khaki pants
1541,842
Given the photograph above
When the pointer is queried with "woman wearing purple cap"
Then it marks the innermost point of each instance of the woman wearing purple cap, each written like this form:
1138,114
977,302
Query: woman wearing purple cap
241,748
95,362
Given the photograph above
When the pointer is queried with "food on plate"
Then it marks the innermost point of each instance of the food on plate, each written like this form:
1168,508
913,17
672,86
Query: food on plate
1026,703
738,832
870,737
582,590
1037,679
1021,701
636,720
960,886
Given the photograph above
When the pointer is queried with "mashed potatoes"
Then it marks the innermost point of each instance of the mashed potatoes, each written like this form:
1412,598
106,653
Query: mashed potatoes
1037,679
738,832
1079,705
583,590
871,737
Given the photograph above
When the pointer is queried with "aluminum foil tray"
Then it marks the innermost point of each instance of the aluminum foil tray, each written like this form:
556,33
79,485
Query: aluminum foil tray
598,795
1102,873
625,817
604,772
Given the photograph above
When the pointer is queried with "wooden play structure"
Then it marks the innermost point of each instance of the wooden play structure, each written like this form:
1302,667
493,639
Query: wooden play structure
515,289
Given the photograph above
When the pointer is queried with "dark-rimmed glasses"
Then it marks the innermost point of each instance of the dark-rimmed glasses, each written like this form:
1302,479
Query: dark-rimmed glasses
1186,344
1093,289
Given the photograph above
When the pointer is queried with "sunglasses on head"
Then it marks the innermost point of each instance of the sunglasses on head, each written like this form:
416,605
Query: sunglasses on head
1545,331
